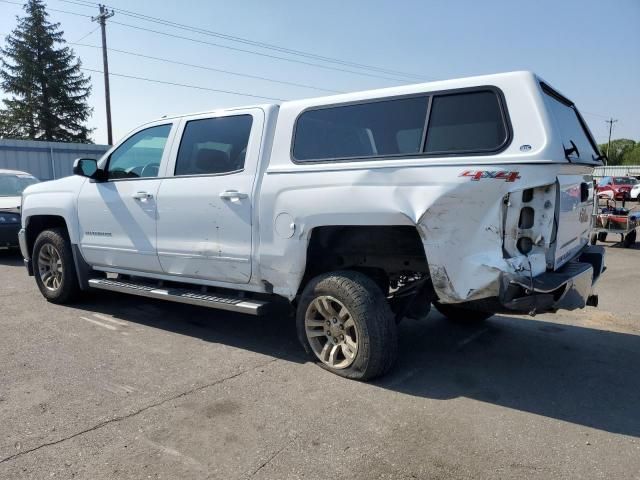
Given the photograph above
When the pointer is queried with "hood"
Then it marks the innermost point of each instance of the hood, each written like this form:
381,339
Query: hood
65,184
10,204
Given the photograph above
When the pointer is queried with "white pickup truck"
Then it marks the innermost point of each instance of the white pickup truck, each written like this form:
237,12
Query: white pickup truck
474,195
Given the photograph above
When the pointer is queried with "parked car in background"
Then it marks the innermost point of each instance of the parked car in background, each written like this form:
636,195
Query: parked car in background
635,192
617,188
12,183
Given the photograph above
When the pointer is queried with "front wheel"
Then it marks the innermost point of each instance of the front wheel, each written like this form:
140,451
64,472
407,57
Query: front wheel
346,325
461,314
54,268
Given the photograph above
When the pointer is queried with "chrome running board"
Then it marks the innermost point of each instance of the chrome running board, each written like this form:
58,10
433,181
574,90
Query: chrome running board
182,295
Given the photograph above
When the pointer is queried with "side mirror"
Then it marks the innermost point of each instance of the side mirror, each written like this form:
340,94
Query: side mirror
85,167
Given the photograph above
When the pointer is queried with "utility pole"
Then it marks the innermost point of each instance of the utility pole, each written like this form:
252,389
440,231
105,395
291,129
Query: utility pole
102,20
611,121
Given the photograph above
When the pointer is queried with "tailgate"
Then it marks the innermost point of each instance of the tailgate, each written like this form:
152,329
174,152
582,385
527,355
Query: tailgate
574,205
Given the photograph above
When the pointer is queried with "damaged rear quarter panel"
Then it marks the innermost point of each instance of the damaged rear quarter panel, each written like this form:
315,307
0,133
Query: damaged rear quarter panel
459,220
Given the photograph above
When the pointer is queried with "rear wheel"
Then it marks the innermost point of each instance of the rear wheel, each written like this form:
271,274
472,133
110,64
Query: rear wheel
461,314
602,236
54,268
346,325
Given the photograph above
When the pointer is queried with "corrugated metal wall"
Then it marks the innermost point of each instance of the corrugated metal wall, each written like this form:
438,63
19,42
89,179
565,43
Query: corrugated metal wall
45,160
617,171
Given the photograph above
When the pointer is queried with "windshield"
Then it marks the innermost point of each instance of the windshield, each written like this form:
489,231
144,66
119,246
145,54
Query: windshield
576,138
13,185
625,181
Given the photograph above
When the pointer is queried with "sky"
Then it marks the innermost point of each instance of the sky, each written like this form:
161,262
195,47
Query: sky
587,49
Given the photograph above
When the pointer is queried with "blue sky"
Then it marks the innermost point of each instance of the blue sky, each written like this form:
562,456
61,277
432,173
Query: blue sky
588,49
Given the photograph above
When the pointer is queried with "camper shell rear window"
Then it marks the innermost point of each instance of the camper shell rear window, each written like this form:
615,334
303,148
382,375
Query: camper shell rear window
461,122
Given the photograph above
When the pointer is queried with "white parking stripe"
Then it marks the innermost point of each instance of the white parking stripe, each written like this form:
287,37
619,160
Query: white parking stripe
100,324
109,319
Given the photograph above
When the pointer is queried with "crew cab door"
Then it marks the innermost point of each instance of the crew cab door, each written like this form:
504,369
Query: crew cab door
206,201
117,216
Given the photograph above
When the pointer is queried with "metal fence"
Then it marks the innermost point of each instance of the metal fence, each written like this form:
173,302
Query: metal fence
45,160
617,171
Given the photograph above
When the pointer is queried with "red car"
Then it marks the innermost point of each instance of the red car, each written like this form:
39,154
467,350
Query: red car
617,188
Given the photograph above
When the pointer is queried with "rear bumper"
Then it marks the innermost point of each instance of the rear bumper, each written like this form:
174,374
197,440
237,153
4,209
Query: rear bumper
567,288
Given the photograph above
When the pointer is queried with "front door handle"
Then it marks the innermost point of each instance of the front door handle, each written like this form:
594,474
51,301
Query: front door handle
233,195
142,196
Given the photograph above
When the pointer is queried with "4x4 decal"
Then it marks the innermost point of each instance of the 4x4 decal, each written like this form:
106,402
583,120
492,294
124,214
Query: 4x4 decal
499,175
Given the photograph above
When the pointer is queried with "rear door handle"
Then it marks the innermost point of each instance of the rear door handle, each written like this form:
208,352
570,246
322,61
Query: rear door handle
232,195
142,196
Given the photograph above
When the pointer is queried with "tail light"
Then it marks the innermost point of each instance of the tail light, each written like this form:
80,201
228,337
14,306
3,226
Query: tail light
529,220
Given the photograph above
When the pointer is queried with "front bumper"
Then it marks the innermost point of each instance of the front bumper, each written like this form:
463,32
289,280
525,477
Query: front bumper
24,249
9,234
567,288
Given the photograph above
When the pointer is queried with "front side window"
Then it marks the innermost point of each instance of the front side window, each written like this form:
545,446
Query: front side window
375,129
140,155
13,185
214,145
465,122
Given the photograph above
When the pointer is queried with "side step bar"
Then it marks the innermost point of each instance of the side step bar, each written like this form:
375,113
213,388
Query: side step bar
182,295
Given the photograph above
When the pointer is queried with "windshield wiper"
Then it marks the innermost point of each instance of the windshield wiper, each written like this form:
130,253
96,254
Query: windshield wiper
600,158
569,151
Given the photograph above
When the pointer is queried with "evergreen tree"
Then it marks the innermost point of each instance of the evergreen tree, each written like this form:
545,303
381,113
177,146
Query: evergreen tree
48,92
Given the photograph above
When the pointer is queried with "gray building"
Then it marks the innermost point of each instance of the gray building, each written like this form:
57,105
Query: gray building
45,160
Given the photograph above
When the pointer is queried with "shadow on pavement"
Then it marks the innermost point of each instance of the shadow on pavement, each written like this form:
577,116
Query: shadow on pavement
11,258
575,374
570,373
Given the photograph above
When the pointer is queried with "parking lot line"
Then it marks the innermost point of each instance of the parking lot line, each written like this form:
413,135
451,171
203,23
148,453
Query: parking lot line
111,320
100,324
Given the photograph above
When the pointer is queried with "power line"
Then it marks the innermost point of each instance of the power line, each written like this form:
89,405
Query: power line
203,67
228,47
254,43
593,114
50,9
84,36
197,87
204,42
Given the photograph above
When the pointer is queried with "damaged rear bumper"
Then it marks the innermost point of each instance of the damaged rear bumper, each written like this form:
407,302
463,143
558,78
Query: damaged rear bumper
567,288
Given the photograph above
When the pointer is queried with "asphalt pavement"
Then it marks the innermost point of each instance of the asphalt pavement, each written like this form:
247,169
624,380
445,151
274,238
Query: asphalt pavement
124,387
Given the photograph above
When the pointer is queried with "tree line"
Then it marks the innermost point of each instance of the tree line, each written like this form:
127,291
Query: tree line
46,91
622,152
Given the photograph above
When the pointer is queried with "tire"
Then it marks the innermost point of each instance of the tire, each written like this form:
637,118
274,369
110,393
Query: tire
629,239
462,315
57,280
345,325
602,236
594,238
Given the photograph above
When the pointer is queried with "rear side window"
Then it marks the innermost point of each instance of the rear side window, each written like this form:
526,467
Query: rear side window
214,145
571,128
374,129
465,122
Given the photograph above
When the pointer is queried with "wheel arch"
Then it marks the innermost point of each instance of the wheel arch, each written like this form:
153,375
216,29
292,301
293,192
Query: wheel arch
381,251
36,224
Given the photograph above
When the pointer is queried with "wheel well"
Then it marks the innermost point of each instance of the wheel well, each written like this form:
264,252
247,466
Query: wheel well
39,223
385,253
